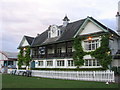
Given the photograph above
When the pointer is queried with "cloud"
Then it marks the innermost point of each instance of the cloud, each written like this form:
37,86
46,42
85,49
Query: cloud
29,17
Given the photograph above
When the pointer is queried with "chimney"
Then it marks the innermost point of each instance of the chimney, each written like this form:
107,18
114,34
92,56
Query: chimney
118,18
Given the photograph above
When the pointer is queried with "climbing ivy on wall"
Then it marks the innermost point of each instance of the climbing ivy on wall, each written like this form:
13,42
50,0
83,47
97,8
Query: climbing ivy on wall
20,58
27,57
78,53
102,54
24,57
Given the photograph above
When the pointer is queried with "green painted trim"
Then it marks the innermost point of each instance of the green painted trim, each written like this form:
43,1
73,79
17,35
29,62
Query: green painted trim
85,23
98,25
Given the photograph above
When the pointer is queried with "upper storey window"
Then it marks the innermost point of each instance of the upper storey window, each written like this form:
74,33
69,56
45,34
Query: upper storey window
91,45
54,31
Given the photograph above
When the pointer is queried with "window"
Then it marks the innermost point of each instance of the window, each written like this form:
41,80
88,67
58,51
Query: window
60,63
59,50
58,32
91,45
49,34
91,62
42,50
40,63
49,63
70,63
69,49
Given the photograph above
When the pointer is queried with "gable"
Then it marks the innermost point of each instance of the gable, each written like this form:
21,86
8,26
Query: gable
3,56
90,28
24,42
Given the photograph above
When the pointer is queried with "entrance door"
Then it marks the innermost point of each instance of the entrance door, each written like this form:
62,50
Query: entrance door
33,64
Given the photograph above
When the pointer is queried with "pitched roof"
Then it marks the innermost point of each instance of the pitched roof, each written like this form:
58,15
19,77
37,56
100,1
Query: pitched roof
40,39
69,32
9,54
29,39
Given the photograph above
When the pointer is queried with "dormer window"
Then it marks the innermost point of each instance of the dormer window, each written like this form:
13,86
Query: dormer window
54,31
59,32
49,34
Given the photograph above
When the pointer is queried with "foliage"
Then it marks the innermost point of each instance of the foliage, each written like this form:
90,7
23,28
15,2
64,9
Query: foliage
20,58
78,53
102,53
27,57
24,57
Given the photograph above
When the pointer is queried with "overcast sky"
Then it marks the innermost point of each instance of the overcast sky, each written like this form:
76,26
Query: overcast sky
30,17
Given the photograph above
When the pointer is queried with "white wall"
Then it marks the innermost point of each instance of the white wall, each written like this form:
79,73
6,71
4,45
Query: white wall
113,44
24,43
90,28
55,64
116,63
2,57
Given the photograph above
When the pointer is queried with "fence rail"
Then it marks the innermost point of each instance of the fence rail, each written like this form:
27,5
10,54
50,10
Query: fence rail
103,76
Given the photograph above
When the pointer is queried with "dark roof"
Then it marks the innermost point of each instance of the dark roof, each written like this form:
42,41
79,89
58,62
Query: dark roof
117,55
40,39
69,32
29,39
9,55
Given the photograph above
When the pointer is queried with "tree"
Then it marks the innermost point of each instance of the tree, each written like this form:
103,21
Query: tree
78,53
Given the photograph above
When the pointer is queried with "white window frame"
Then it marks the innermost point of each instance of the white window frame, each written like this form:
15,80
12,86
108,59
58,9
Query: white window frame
70,63
40,63
91,62
49,34
49,63
91,45
61,63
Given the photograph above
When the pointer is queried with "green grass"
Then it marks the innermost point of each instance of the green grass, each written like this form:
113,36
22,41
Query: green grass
12,81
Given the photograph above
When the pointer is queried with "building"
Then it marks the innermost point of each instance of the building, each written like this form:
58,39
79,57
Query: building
54,47
8,59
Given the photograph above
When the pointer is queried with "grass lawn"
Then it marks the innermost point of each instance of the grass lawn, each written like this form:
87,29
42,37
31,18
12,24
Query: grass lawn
12,81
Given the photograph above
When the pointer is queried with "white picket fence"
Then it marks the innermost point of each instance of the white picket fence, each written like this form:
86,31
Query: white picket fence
103,76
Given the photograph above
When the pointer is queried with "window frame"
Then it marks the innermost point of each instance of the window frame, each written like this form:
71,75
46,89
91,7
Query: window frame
49,63
70,63
91,62
39,64
91,45
60,63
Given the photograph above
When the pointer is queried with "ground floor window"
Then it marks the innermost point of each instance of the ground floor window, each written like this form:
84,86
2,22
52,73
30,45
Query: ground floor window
60,63
91,62
49,63
40,63
70,63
